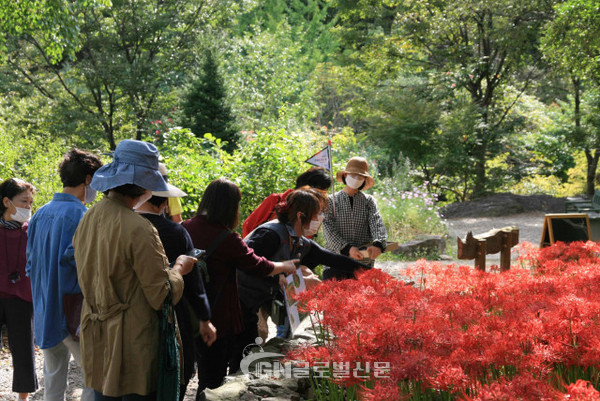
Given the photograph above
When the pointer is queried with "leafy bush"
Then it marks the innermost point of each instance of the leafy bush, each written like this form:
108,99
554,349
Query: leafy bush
34,159
408,213
264,163
552,185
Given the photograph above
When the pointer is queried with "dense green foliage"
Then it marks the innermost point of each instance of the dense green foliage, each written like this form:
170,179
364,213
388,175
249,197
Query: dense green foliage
131,56
262,164
471,96
573,44
53,22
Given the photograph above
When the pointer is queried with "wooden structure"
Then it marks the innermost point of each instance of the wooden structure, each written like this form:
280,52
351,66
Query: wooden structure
494,241
566,227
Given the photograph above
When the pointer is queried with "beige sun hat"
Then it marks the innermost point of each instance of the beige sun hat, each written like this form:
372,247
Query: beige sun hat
357,165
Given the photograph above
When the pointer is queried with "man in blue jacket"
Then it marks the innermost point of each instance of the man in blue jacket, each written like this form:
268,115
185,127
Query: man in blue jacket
51,268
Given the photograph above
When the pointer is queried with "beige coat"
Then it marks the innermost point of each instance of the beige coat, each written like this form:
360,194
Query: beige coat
123,273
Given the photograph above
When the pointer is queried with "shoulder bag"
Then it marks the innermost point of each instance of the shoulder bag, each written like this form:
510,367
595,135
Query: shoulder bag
168,353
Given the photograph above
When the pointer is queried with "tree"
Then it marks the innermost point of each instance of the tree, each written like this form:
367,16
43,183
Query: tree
206,108
270,60
572,41
482,46
132,53
54,22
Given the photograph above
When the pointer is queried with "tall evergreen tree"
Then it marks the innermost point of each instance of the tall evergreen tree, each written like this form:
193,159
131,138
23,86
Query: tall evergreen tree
206,108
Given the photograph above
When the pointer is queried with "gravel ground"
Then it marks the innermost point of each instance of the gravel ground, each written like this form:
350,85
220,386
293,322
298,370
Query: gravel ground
530,230
75,381
530,226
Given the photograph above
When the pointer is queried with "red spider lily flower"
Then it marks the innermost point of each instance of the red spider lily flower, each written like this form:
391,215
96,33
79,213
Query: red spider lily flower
467,333
384,391
523,387
582,390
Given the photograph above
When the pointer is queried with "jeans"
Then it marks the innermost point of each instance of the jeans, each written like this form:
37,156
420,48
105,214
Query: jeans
283,330
56,367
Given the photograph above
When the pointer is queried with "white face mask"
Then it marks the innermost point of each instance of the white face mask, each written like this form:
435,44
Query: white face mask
90,194
313,226
354,183
143,199
23,214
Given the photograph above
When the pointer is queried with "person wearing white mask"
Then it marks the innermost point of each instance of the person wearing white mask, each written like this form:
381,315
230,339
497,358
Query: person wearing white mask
51,268
16,309
285,238
355,223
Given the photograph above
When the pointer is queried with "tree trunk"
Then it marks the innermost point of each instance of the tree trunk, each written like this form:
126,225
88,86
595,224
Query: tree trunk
592,166
110,135
479,185
592,159
139,129
480,153
577,113
140,122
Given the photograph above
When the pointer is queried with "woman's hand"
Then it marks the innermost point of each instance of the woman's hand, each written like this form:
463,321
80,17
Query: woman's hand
374,251
354,253
184,264
208,332
310,278
282,281
287,267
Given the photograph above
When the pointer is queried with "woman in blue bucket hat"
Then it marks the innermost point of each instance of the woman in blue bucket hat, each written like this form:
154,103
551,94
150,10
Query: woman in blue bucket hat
124,277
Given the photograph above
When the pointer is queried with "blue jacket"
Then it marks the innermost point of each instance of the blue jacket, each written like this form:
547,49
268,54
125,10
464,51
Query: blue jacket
51,265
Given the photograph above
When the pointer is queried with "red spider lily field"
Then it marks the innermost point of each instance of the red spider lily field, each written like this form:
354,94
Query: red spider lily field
531,333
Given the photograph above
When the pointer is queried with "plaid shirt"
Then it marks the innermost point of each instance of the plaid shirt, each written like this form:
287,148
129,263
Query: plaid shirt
358,224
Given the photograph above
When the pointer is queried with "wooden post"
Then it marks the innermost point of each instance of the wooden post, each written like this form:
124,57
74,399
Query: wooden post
510,238
505,252
481,252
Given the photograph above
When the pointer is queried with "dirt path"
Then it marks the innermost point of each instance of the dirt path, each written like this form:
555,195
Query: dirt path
529,225
530,229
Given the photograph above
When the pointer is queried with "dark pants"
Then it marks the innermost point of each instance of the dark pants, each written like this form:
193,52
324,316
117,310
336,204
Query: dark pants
17,315
129,397
213,362
188,346
247,337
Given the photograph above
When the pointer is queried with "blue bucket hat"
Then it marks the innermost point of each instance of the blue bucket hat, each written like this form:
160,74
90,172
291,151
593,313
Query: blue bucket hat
135,162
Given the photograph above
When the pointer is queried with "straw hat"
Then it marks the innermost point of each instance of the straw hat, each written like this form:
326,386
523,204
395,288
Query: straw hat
135,162
359,166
